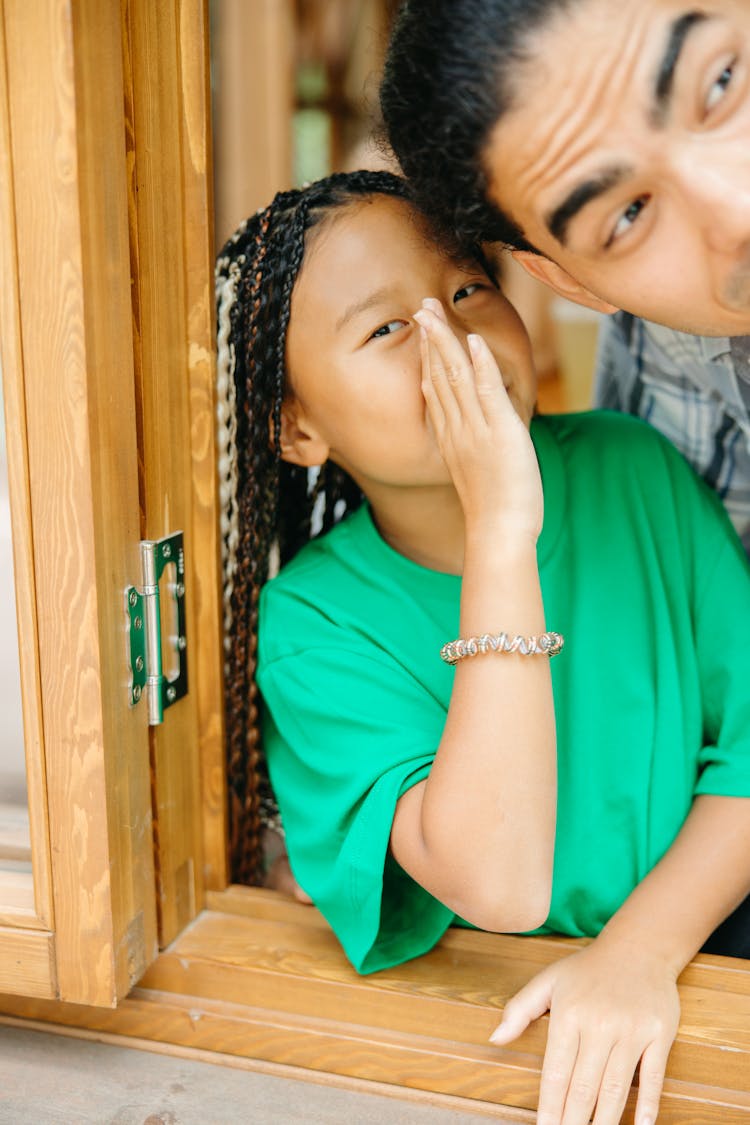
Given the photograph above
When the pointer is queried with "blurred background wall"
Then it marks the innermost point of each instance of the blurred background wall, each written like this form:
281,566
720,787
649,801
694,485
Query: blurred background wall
295,86
294,93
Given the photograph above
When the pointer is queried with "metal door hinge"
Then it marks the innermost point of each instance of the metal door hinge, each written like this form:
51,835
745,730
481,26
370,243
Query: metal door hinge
156,628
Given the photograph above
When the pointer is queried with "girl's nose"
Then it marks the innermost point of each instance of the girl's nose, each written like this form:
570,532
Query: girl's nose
448,314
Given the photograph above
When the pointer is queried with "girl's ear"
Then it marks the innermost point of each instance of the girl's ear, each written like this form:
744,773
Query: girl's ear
560,280
301,444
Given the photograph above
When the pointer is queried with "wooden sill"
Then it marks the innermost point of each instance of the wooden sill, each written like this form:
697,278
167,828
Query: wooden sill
258,977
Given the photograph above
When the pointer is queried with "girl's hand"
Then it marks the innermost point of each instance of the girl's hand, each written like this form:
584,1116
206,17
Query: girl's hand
610,1008
484,443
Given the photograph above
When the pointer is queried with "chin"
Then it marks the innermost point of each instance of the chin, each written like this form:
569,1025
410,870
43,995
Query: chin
719,327
722,323
738,323
727,316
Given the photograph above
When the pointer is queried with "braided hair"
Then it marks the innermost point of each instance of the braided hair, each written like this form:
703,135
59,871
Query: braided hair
269,508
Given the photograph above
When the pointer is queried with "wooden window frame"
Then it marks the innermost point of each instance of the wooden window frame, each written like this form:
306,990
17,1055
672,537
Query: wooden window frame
257,980
260,982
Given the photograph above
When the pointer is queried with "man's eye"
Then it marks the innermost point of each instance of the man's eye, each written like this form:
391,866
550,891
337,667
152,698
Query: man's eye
466,291
388,329
720,86
628,219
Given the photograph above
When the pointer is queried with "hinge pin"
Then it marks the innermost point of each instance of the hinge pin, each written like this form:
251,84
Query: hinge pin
146,654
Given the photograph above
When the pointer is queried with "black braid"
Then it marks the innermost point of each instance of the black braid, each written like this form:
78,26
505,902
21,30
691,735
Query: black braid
273,501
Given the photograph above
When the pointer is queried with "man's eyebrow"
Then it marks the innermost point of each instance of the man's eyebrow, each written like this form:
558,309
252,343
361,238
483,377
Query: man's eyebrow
377,297
559,220
664,84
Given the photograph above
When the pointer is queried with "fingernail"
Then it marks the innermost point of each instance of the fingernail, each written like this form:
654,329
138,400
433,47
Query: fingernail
421,319
432,304
475,343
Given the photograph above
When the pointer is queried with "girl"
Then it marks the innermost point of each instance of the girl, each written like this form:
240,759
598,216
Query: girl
418,792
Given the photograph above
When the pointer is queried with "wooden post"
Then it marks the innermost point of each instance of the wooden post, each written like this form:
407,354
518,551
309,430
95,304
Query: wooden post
65,87
253,103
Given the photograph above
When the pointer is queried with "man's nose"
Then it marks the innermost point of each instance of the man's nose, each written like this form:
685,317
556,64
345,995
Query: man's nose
719,194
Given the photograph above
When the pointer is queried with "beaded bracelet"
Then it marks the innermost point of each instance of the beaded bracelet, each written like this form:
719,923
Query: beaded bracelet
548,644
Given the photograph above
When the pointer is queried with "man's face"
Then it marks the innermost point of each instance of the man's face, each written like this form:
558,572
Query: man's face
626,159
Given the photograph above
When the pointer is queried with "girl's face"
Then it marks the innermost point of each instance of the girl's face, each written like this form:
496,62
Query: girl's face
353,354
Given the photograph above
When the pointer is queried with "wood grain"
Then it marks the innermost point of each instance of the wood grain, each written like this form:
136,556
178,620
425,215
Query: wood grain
156,141
405,1096
207,655
17,904
15,834
268,981
70,205
27,962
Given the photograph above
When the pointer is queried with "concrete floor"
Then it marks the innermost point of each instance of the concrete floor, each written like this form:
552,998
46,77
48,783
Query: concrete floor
57,1080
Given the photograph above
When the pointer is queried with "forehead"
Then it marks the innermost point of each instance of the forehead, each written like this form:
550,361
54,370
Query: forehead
585,91
347,232
378,241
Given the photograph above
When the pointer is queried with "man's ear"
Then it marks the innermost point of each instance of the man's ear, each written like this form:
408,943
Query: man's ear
543,269
300,442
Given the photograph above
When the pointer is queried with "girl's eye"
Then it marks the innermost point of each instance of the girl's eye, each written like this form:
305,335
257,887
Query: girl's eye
628,219
466,291
388,329
720,86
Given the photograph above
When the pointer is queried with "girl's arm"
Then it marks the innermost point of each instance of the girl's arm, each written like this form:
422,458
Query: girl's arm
615,1003
478,833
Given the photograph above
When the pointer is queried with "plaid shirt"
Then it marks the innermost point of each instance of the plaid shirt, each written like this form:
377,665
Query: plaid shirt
695,389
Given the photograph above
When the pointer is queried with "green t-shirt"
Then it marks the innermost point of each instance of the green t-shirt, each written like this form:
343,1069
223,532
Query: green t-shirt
642,573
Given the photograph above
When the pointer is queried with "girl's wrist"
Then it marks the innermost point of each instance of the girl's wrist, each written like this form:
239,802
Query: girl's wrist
500,539
646,946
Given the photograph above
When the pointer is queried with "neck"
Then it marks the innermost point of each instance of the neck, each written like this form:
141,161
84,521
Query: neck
425,525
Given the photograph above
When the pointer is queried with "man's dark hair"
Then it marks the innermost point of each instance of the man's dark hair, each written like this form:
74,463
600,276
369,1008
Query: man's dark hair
448,80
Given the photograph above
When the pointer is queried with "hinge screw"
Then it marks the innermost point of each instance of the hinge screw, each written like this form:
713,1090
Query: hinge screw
138,623
139,664
171,694
182,643
166,551
133,598
180,590
137,692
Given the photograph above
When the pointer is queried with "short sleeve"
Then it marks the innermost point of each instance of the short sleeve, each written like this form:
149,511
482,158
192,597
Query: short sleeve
722,628
347,730
721,609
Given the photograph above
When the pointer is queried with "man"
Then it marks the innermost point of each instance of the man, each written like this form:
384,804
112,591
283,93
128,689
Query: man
609,145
